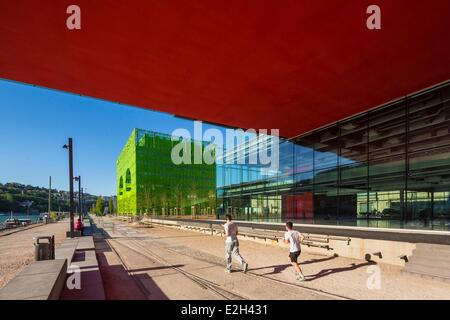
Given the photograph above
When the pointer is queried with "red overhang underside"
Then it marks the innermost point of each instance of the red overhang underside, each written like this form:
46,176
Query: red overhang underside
293,65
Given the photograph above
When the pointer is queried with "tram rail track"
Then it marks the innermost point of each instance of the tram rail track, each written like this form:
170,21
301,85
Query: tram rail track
204,283
201,282
278,281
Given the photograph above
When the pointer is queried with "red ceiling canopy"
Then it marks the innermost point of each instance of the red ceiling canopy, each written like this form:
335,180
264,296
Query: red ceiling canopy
293,65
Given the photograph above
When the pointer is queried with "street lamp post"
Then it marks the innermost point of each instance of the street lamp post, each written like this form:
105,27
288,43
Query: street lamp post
86,209
82,202
69,147
49,196
80,206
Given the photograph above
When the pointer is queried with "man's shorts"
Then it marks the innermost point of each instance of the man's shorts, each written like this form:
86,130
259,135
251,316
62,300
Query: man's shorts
294,255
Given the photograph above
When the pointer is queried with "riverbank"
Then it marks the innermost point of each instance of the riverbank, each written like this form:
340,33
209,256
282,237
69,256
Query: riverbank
31,217
21,221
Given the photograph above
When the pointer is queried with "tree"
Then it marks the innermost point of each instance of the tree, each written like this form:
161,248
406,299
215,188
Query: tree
193,198
10,201
178,197
149,201
111,206
163,198
99,206
212,200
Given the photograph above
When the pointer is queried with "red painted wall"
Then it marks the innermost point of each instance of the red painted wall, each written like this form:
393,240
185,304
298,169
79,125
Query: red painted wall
298,206
288,64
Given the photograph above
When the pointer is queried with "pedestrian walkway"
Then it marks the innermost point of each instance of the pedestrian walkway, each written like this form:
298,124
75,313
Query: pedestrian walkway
168,263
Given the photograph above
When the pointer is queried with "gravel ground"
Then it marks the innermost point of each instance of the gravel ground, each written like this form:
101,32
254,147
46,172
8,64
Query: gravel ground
17,250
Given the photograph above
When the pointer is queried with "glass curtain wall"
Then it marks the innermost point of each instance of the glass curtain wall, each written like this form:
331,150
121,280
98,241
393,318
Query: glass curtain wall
388,167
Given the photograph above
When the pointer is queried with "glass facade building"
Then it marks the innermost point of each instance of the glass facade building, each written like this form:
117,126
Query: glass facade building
387,167
148,182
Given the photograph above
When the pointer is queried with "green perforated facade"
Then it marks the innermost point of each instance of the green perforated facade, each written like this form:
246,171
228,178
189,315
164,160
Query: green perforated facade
148,182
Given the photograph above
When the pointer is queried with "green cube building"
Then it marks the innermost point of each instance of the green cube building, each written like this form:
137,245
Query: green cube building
148,182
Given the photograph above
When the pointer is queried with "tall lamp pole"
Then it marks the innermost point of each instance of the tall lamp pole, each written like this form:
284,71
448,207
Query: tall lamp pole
69,146
49,195
80,208
86,209
82,202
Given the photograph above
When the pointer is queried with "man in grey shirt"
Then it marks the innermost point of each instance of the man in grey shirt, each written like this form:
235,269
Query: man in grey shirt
232,244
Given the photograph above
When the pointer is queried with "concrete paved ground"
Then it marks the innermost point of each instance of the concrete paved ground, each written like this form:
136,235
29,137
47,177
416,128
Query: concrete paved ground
17,250
166,263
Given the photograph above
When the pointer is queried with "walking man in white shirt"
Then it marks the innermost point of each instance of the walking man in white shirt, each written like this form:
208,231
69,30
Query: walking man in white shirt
232,245
293,238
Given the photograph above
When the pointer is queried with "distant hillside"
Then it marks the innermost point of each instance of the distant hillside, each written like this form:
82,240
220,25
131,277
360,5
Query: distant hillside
13,195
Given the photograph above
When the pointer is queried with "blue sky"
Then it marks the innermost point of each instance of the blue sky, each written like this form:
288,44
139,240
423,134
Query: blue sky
36,122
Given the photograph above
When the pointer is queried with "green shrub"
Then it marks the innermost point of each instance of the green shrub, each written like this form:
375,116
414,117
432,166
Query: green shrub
54,215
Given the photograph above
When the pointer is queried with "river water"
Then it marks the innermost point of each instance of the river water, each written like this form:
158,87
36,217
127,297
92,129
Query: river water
32,217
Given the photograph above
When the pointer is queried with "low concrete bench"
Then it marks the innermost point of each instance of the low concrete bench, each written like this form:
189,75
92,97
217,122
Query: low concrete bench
90,276
41,280
125,219
66,250
244,232
45,280
275,236
85,260
256,235
75,234
85,243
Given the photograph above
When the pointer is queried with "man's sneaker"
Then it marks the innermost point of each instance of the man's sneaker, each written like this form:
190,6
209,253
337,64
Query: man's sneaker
227,270
301,278
245,267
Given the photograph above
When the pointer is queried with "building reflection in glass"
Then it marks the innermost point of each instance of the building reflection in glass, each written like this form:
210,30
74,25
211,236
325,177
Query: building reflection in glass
388,167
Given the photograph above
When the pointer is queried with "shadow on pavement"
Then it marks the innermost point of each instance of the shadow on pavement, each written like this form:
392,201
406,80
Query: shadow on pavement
327,272
119,284
318,260
276,268
281,267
